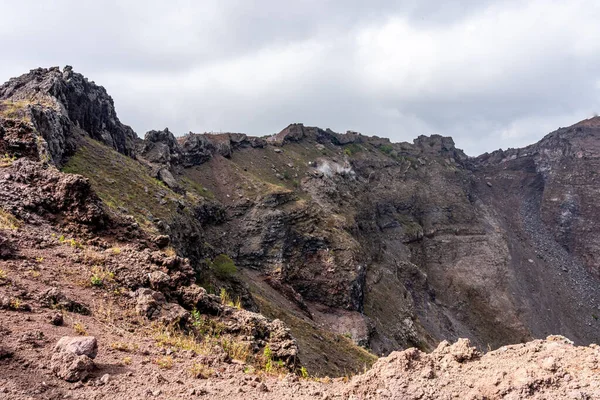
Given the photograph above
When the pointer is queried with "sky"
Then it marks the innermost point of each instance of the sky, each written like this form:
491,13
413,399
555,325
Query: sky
491,74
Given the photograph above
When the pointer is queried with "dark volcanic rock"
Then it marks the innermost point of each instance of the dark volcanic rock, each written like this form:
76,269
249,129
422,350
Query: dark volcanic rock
196,149
7,249
64,104
161,147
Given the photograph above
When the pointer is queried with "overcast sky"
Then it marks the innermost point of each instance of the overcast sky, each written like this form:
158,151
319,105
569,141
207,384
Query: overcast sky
491,74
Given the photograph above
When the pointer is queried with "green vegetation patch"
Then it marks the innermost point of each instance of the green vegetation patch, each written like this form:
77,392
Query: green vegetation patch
123,184
352,149
223,266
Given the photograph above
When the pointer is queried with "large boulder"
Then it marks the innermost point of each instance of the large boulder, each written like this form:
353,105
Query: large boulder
28,187
196,149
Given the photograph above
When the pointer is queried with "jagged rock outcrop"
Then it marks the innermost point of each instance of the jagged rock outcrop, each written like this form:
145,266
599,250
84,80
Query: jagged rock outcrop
161,147
63,104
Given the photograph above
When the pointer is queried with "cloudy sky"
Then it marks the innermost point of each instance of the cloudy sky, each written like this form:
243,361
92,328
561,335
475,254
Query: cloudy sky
492,74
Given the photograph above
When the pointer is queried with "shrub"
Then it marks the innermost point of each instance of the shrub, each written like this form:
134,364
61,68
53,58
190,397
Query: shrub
101,276
303,372
206,326
352,149
223,266
268,358
386,148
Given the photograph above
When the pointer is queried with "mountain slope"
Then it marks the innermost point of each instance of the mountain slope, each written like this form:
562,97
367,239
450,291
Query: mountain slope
349,240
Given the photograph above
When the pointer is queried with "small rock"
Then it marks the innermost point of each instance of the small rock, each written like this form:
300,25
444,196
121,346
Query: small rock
105,379
5,353
161,241
262,387
56,319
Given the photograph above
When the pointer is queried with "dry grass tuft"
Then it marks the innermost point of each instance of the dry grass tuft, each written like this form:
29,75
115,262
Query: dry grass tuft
226,300
164,362
200,371
8,221
7,160
79,329
126,347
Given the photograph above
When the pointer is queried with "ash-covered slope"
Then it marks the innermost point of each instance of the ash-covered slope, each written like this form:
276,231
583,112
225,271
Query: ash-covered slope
342,235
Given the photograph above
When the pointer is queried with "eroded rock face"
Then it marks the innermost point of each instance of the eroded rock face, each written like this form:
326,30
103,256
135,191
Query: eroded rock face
414,241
